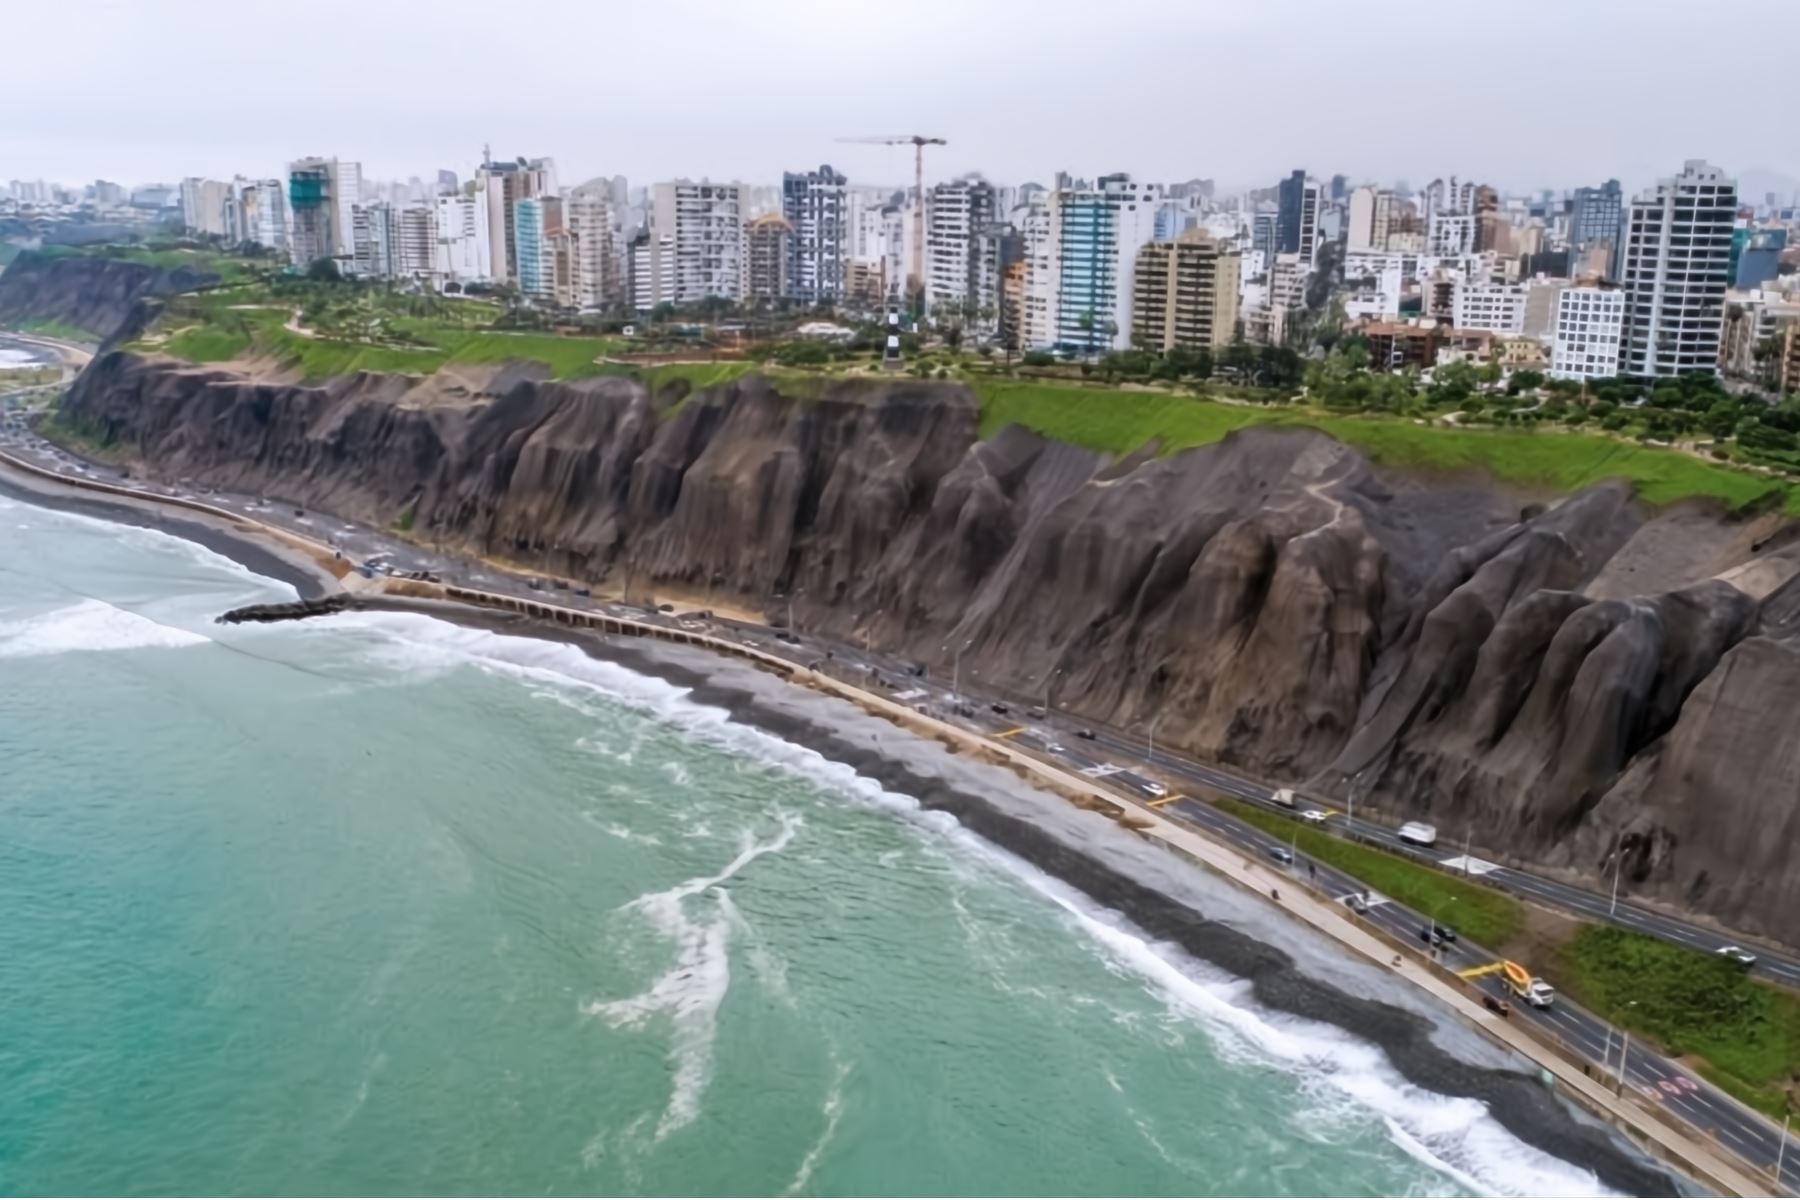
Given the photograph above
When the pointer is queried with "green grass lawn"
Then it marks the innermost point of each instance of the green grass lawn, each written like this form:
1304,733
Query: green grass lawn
1481,914
1691,1003
1107,419
1119,422
208,343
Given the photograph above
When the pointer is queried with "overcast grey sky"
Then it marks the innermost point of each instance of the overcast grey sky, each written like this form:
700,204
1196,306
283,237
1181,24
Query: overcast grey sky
1530,93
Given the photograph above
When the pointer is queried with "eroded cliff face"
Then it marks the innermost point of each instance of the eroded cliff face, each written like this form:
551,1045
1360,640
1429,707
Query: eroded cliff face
1271,601
98,295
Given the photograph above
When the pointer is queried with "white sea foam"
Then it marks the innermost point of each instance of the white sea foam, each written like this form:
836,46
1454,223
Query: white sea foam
1454,1135
88,625
1340,1075
689,994
833,1110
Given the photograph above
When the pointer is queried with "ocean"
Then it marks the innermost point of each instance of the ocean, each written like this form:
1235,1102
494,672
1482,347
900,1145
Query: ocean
378,904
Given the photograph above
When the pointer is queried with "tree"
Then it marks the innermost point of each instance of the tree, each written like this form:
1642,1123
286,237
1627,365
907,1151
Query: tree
324,270
953,337
1085,323
1524,381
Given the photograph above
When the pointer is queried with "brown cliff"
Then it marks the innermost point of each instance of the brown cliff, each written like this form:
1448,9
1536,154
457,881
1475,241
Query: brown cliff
1273,601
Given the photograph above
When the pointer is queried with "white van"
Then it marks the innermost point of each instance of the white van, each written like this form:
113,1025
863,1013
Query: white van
1284,797
1419,833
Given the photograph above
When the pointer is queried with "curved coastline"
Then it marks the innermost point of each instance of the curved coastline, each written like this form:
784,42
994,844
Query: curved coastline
1516,1100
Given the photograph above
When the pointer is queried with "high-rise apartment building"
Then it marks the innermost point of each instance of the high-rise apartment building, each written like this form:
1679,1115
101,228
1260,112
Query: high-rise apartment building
260,213
320,209
372,240
1297,215
956,285
704,226
769,241
1676,256
1097,233
203,206
1371,212
1185,294
1494,307
504,184
651,262
1585,340
464,254
593,256
816,205
415,242
1595,216
534,256
1035,320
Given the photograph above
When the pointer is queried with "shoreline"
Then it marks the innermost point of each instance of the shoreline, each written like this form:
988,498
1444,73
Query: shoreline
260,554
1407,1037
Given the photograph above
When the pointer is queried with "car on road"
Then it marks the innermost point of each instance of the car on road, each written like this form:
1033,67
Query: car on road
1419,833
1496,1004
1054,748
1000,708
1086,735
1444,932
1151,787
1357,902
1036,712
965,710
1315,816
1436,936
1282,855
1737,954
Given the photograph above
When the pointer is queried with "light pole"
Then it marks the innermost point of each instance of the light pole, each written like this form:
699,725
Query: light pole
1618,862
1781,1154
1150,742
1624,1053
869,631
956,670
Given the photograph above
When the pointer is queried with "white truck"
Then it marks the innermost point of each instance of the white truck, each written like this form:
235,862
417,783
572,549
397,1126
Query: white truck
1286,798
1418,833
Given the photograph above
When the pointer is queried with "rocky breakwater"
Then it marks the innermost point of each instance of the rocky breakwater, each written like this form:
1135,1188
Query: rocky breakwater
98,295
1557,681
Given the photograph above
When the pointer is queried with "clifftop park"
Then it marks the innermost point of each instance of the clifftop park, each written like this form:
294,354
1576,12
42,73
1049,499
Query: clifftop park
1561,626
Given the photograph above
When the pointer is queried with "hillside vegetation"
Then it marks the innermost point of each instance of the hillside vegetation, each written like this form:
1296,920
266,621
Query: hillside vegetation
1121,420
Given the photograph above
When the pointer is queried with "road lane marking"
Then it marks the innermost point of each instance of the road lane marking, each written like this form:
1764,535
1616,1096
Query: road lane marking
1011,732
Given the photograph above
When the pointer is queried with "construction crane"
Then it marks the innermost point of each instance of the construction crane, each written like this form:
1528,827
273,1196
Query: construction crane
915,284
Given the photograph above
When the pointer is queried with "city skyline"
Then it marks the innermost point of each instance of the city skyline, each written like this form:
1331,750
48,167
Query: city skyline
1223,90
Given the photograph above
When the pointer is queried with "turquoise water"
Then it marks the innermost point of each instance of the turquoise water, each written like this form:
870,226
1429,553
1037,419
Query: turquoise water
379,905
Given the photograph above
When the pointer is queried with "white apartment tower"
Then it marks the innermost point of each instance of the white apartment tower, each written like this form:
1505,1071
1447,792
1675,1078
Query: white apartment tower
817,206
1493,307
1096,234
1585,339
1037,316
587,213
955,215
1371,214
703,224
415,241
1676,262
463,253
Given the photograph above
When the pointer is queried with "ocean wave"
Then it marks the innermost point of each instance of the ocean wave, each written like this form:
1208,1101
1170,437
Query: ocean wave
690,992
1344,1080
1454,1135
88,625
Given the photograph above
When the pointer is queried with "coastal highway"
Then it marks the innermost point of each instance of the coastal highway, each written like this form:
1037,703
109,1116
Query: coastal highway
1109,754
